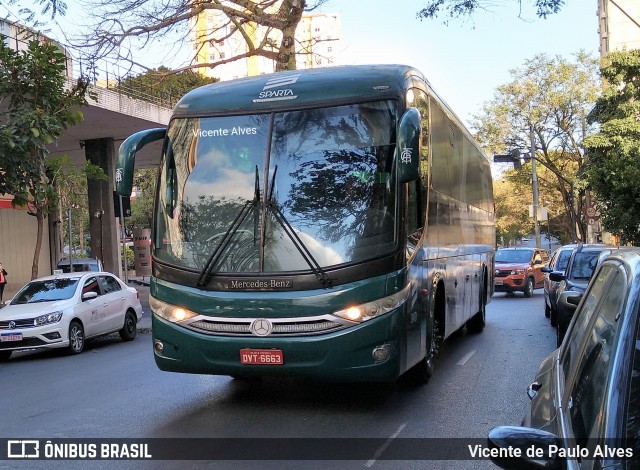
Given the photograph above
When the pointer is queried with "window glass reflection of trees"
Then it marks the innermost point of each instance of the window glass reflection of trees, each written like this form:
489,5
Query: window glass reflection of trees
333,180
216,175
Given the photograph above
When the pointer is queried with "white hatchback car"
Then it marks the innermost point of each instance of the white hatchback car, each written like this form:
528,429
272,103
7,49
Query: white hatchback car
62,311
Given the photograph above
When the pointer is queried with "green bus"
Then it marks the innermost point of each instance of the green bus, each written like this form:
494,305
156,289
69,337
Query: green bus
333,224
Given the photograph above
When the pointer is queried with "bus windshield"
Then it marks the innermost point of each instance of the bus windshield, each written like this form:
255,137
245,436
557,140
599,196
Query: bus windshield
232,185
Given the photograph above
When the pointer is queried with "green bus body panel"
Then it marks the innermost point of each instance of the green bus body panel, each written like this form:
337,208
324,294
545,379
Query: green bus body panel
339,356
127,157
264,304
458,239
293,89
344,355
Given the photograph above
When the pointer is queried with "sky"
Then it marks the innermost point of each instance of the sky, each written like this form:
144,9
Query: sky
465,61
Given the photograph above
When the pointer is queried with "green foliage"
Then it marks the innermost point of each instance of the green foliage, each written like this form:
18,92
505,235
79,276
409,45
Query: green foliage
612,171
144,180
466,8
163,83
40,107
551,96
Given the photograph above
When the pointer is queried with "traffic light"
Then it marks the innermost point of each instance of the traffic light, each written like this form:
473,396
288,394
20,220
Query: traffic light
511,157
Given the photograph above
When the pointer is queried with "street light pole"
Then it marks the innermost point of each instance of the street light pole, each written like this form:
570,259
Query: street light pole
534,183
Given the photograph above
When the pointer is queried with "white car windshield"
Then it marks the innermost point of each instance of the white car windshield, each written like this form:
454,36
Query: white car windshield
46,291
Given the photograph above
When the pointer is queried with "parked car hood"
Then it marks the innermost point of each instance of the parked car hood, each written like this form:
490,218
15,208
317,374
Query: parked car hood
17,311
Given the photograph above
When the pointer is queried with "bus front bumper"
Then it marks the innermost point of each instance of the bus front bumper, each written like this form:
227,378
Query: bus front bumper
345,355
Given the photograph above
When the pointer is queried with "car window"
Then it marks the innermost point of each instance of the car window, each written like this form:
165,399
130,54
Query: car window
513,256
583,265
589,387
581,327
563,260
554,256
633,410
46,291
91,285
110,284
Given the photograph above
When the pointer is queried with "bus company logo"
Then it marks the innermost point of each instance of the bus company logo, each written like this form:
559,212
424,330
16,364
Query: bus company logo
261,327
269,94
405,155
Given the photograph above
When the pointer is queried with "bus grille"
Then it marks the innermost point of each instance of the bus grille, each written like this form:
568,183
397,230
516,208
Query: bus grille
280,326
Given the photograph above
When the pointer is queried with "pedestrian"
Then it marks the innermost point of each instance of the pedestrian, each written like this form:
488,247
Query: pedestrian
3,282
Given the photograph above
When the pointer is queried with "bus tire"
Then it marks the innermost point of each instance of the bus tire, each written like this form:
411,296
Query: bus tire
423,370
476,323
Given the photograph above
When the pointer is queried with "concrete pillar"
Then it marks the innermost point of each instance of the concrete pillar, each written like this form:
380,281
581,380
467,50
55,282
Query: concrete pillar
103,224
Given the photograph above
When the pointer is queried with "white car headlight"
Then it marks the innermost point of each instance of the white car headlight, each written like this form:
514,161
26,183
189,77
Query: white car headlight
173,313
48,318
364,312
517,271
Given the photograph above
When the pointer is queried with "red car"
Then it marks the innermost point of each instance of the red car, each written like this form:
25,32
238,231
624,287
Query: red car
519,269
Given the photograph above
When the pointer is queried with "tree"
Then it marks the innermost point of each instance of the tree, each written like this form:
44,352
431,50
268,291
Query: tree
162,84
550,96
465,8
612,171
144,181
39,107
70,181
124,26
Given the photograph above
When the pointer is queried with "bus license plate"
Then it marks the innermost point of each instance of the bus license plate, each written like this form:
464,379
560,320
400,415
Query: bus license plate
10,337
261,357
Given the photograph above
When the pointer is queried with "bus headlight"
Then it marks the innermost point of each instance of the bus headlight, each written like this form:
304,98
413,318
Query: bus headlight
173,313
364,312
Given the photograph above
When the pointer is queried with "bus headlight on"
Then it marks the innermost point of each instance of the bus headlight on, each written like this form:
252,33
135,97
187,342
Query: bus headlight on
364,312
173,313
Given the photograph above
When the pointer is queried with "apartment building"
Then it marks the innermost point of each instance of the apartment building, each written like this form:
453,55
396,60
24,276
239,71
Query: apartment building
213,39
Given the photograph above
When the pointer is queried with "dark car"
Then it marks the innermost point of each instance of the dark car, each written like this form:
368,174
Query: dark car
573,282
587,392
559,260
519,269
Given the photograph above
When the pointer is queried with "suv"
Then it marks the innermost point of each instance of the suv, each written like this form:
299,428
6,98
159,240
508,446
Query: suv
559,261
574,281
519,269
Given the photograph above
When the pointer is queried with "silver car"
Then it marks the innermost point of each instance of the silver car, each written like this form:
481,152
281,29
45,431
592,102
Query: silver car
586,394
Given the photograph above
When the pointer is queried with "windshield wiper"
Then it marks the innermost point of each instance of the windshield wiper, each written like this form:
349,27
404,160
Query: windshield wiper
320,273
231,231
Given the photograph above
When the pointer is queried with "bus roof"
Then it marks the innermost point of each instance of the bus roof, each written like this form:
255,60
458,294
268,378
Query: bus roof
297,88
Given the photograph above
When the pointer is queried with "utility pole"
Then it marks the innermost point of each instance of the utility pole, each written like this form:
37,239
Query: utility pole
534,183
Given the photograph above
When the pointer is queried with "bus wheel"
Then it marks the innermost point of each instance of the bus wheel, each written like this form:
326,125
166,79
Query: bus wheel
476,323
423,370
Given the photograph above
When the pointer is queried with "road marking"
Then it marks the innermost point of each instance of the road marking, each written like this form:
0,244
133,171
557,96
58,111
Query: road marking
464,360
385,445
